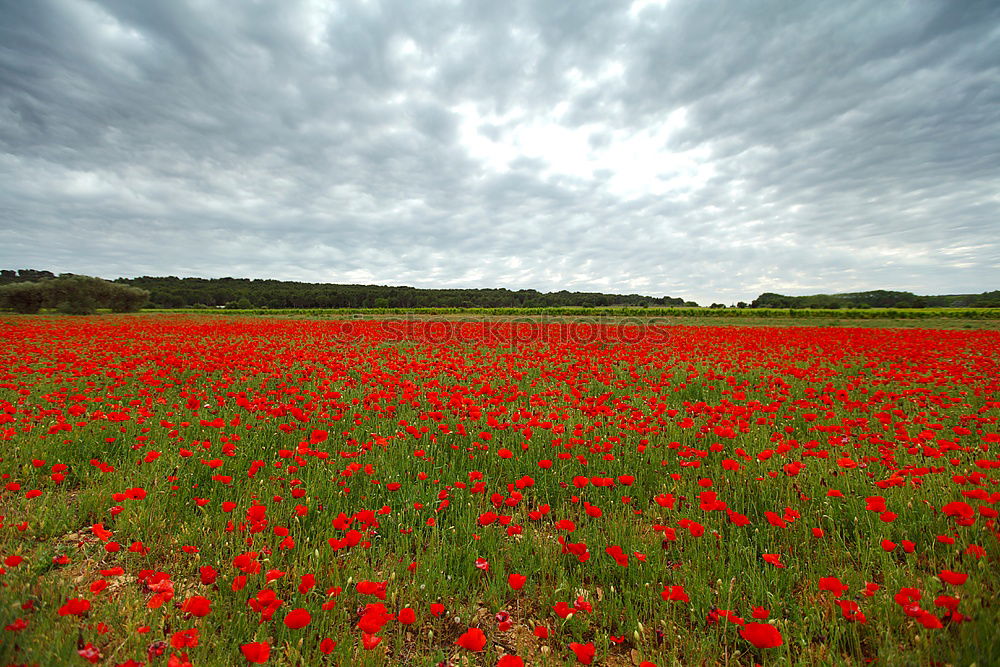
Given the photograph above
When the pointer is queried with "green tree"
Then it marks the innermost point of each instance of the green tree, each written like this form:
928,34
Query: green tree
26,298
76,295
242,303
125,299
72,294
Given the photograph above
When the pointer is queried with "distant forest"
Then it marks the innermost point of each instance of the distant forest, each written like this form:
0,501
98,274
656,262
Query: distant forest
878,299
174,292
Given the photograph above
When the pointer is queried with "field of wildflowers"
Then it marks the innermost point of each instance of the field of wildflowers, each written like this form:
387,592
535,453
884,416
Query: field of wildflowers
228,491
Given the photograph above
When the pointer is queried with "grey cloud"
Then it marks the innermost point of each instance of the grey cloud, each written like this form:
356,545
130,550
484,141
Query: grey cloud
840,146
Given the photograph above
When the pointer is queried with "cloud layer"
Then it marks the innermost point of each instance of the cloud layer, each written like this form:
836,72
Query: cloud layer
708,150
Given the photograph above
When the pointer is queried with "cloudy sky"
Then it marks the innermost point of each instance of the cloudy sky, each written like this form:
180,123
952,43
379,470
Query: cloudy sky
708,150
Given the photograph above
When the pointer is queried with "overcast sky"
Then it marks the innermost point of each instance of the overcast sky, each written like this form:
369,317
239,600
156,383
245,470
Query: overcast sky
701,149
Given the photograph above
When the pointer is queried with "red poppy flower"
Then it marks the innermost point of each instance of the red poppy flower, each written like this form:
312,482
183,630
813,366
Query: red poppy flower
185,638
376,588
953,578
563,610
584,652
297,618
516,581
875,503
256,652
374,617
472,639
197,606
773,559
90,653
833,585
74,607
928,620
761,635
675,594
618,554
850,610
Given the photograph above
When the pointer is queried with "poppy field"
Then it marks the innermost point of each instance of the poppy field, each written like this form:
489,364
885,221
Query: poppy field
183,490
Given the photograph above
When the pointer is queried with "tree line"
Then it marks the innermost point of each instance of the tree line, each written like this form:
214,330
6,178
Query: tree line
29,291
878,299
240,293
173,292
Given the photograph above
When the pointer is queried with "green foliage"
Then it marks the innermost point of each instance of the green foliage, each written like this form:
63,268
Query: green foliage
243,294
125,299
173,292
877,299
242,303
76,295
71,294
631,315
22,297
24,275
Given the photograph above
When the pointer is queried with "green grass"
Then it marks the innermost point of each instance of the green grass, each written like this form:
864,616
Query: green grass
644,314
171,373
872,318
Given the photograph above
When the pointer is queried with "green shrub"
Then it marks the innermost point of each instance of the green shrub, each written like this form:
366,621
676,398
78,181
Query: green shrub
27,298
73,295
